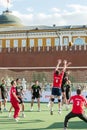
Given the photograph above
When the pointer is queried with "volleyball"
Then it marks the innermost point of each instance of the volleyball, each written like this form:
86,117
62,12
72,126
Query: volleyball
70,44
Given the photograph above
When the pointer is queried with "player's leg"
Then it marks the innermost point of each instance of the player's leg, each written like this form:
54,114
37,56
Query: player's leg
51,104
63,96
59,99
10,110
67,117
38,102
59,104
0,105
52,100
22,105
32,101
49,101
67,99
4,103
16,107
22,109
83,117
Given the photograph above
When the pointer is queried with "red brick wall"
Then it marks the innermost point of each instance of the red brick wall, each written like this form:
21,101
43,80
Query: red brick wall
43,58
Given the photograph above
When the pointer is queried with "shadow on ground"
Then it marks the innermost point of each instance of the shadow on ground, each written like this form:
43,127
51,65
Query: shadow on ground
72,125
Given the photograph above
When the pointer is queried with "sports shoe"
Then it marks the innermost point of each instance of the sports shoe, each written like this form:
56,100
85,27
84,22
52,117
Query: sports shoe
65,128
51,112
39,109
59,111
23,115
16,119
5,109
31,109
9,115
67,108
48,105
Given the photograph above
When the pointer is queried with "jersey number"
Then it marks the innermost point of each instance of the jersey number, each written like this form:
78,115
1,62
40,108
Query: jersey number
56,80
78,103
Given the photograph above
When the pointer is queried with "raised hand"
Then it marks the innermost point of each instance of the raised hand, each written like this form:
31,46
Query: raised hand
69,63
59,61
65,61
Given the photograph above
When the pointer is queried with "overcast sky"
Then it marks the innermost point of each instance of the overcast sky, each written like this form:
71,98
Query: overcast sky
48,12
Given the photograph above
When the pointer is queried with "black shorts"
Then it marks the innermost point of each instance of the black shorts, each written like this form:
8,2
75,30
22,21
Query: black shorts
21,101
56,91
4,96
62,89
35,96
67,95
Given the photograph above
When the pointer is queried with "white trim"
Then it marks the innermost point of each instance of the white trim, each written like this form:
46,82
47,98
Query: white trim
37,68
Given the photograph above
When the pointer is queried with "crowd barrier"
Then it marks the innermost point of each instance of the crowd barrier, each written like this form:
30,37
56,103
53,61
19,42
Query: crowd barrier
45,96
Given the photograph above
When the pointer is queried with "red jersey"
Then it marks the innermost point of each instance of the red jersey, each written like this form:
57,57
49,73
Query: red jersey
58,80
78,103
12,98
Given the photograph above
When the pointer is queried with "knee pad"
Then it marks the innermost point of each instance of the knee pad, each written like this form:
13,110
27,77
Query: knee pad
52,99
59,100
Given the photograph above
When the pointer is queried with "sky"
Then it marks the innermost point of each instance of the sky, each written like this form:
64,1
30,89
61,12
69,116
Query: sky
48,12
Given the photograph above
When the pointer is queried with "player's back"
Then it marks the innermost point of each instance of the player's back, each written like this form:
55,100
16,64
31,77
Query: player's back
78,103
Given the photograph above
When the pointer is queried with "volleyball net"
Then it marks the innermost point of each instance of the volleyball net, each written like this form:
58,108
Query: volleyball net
77,75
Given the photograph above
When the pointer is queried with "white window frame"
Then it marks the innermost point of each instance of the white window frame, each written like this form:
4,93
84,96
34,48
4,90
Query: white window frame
31,42
23,43
7,43
40,43
0,43
65,41
48,42
57,42
15,43
79,41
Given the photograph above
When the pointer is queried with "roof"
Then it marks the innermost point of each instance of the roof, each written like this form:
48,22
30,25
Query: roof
7,19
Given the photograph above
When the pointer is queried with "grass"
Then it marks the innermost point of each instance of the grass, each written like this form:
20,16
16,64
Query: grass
40,120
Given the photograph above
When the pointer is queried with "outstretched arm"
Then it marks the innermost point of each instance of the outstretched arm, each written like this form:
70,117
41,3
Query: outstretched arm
66,65
59,62
69,63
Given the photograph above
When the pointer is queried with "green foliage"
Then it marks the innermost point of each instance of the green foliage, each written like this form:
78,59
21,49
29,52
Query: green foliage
72,79
38,76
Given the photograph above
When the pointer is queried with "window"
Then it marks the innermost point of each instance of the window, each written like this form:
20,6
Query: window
79,41
23,43
66,41
40,42
15,43
7,43
31,42
48,42
0,43
57,42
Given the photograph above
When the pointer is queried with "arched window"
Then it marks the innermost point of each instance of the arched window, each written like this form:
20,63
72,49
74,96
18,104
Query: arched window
79,41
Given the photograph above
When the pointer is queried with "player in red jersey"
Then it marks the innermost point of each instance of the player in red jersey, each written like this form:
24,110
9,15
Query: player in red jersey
14,100
56,89
79,102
